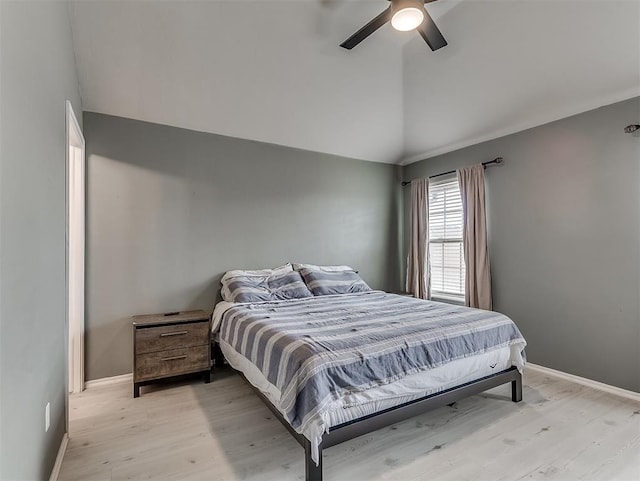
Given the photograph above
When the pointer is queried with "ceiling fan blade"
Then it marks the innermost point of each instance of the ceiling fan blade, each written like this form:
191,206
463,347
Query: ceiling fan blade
430,32
367,30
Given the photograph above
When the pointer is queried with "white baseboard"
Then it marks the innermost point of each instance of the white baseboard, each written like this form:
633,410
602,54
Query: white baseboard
55,472
600,386
109,380
618,391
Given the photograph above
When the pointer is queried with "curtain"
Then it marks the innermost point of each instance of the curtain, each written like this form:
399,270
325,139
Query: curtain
418,277
474,237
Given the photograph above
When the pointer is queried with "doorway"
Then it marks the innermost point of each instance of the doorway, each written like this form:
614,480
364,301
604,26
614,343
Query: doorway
75,251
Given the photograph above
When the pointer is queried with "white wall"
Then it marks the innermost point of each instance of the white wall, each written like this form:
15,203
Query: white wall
170,210
37,76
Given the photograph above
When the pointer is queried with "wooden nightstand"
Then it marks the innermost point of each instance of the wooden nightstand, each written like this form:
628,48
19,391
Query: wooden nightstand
170,344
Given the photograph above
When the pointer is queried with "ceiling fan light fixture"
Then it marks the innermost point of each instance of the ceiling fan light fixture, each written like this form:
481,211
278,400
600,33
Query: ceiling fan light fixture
407,14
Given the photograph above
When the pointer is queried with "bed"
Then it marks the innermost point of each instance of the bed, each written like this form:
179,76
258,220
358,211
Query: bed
333,367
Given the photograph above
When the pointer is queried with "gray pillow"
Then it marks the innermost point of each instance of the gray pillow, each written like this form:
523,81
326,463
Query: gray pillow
322,283
270,287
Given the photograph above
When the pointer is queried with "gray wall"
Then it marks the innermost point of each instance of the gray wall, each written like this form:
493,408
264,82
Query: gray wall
564,239
170,210
38,74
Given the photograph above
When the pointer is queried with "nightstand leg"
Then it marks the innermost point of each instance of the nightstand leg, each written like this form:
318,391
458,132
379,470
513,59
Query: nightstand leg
136,390
207,376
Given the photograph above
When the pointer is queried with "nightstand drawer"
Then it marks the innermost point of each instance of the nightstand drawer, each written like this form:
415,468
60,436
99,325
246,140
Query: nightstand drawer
162,338
172,362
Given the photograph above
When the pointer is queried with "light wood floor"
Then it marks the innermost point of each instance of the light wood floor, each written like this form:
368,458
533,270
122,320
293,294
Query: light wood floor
222,431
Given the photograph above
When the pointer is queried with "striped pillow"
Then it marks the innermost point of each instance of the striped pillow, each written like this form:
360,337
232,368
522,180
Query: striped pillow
257,273
312,267
261,288
323,282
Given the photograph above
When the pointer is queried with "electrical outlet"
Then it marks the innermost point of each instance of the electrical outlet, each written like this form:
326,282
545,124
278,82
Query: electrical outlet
47,417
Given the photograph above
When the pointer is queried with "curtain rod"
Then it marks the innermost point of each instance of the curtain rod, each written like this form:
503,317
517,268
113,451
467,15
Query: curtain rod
497,160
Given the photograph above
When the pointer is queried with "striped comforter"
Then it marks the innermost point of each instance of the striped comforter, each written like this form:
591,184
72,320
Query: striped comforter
317,349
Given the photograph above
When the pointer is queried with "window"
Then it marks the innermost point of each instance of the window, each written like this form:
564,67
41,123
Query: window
446,251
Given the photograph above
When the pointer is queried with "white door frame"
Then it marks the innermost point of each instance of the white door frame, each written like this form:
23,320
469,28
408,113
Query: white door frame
75,236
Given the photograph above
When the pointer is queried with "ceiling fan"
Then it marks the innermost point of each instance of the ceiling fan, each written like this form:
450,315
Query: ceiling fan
404,15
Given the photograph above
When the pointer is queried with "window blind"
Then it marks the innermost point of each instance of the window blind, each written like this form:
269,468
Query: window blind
446,252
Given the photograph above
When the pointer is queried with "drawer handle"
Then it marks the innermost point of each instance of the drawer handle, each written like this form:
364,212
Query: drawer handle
174,358
177,333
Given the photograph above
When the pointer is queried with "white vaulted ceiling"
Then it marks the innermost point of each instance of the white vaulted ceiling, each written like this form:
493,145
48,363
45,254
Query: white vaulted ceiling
515,64
261,70
273,71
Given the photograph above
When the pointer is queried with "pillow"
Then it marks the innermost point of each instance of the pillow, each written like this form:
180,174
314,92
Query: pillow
226,278
299,267
323,282
278,285
259,273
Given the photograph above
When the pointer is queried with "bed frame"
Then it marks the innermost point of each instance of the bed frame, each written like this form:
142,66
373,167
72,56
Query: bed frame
373,422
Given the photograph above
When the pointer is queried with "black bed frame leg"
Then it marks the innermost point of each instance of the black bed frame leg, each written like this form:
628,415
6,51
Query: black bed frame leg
516,388
218,357
311,471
